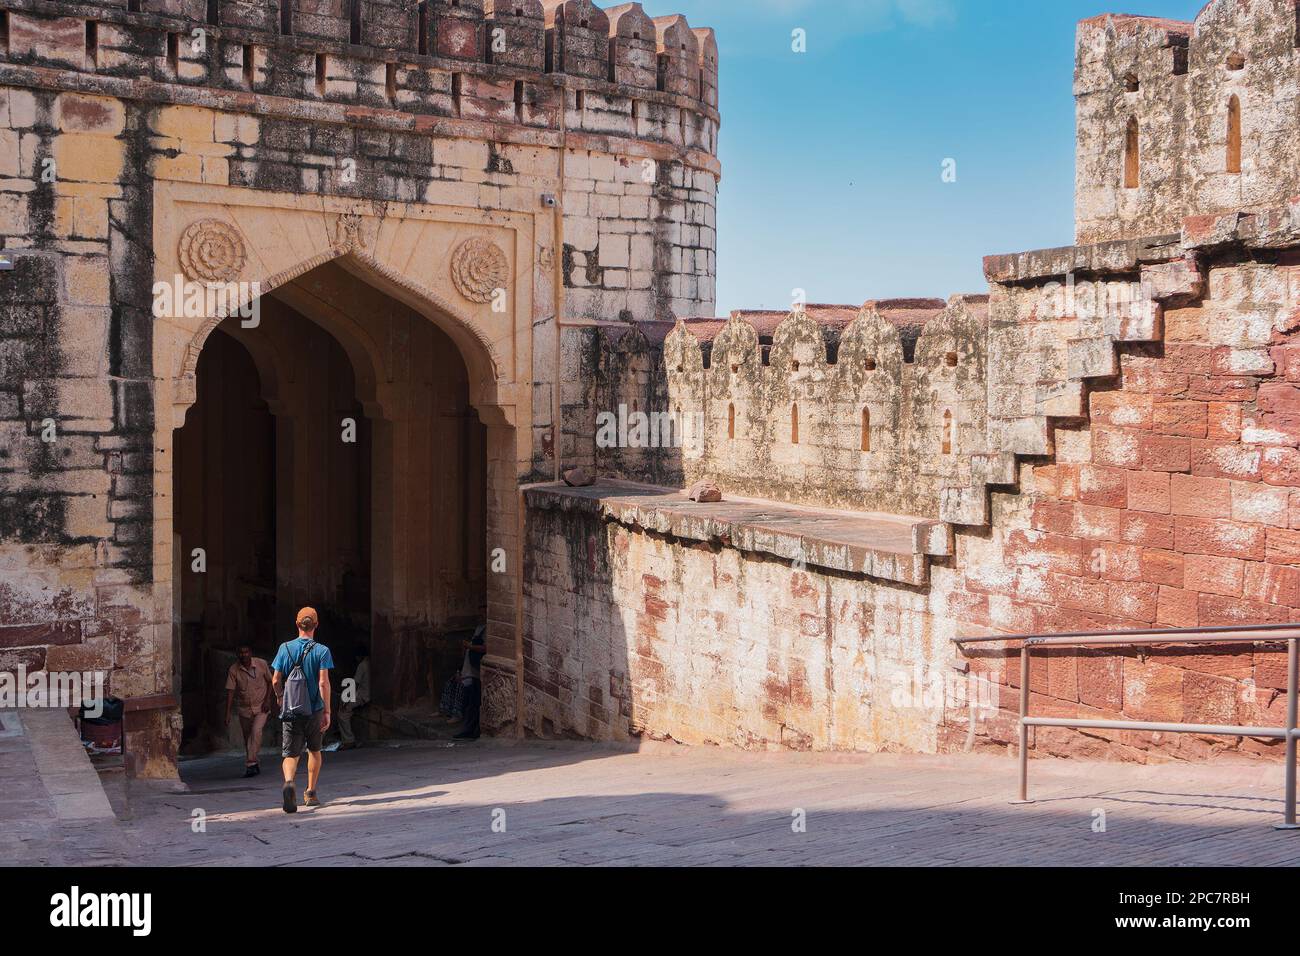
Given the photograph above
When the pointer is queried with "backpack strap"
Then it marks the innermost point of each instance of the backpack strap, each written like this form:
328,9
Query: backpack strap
306,649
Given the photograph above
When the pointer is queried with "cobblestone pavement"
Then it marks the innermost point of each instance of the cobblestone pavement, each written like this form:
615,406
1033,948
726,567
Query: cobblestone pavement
423,804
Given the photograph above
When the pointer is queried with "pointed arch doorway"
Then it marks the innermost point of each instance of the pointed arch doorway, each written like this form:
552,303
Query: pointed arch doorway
332,457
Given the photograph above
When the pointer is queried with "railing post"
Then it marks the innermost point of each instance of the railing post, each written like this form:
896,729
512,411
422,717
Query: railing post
1292,688
1024,728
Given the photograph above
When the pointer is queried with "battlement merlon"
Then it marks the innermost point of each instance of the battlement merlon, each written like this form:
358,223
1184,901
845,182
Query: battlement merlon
1178,119
512,63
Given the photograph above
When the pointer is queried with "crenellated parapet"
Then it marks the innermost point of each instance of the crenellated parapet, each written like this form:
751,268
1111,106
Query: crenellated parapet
523,64
577,38
1177,119
633,50
879,409
520,27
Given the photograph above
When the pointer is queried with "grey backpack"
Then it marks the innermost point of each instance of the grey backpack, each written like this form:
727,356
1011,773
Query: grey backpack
297,695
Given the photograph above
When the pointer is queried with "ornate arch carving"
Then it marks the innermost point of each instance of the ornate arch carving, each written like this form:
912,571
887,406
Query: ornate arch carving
419,297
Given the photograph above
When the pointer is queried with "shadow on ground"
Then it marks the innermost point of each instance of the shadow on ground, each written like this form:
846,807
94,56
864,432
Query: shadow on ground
554,804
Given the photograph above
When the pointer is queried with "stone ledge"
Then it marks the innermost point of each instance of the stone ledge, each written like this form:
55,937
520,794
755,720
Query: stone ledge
890,547
1274,228
1120,256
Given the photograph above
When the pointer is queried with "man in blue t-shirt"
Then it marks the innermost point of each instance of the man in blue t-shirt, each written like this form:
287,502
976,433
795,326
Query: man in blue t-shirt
316,662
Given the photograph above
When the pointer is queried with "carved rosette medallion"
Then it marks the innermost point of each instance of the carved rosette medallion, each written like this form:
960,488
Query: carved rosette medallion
212,251
478,269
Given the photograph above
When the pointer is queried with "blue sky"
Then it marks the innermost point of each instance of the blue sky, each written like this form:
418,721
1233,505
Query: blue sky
832,159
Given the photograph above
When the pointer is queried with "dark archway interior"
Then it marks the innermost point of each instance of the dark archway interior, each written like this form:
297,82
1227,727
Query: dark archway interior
280,478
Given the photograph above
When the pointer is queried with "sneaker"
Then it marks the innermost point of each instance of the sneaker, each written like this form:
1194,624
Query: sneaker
250,771
289,799
309,799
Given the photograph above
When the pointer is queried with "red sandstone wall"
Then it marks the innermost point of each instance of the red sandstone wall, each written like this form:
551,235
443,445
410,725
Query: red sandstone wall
1174,504
1148,475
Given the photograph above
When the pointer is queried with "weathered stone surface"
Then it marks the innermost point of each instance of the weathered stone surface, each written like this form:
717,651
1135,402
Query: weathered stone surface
1109,439
1189,91
384,133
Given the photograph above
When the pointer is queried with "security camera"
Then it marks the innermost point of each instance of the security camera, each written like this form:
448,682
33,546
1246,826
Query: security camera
549,201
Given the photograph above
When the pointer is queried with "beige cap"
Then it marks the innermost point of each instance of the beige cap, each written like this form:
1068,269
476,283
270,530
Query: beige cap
306,619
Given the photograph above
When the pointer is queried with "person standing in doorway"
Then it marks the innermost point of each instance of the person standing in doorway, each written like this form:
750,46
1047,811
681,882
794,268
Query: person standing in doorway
471,677
359,698
302,685
248,688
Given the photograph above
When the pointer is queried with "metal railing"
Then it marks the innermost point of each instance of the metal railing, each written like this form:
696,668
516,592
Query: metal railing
1288,634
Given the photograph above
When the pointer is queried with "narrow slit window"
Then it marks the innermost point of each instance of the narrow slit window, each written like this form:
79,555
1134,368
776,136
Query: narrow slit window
286,17
422,42
214,12
1132,158
355,24
250,65
320,74
1234,135
4,32
92,44
519,101
731,421
390,81
174,53
866,429
794,424
947,432
457,85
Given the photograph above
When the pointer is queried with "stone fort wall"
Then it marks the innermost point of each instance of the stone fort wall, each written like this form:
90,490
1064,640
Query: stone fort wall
1123,453
1211,106
392,132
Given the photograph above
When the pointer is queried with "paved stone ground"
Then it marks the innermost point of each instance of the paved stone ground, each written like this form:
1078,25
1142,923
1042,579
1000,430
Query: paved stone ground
52,807
422,804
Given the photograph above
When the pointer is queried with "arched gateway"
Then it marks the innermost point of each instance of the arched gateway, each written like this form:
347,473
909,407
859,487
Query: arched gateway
307,280
379,348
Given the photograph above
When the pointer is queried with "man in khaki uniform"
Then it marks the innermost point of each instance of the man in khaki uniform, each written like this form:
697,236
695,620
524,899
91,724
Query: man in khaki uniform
248,687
